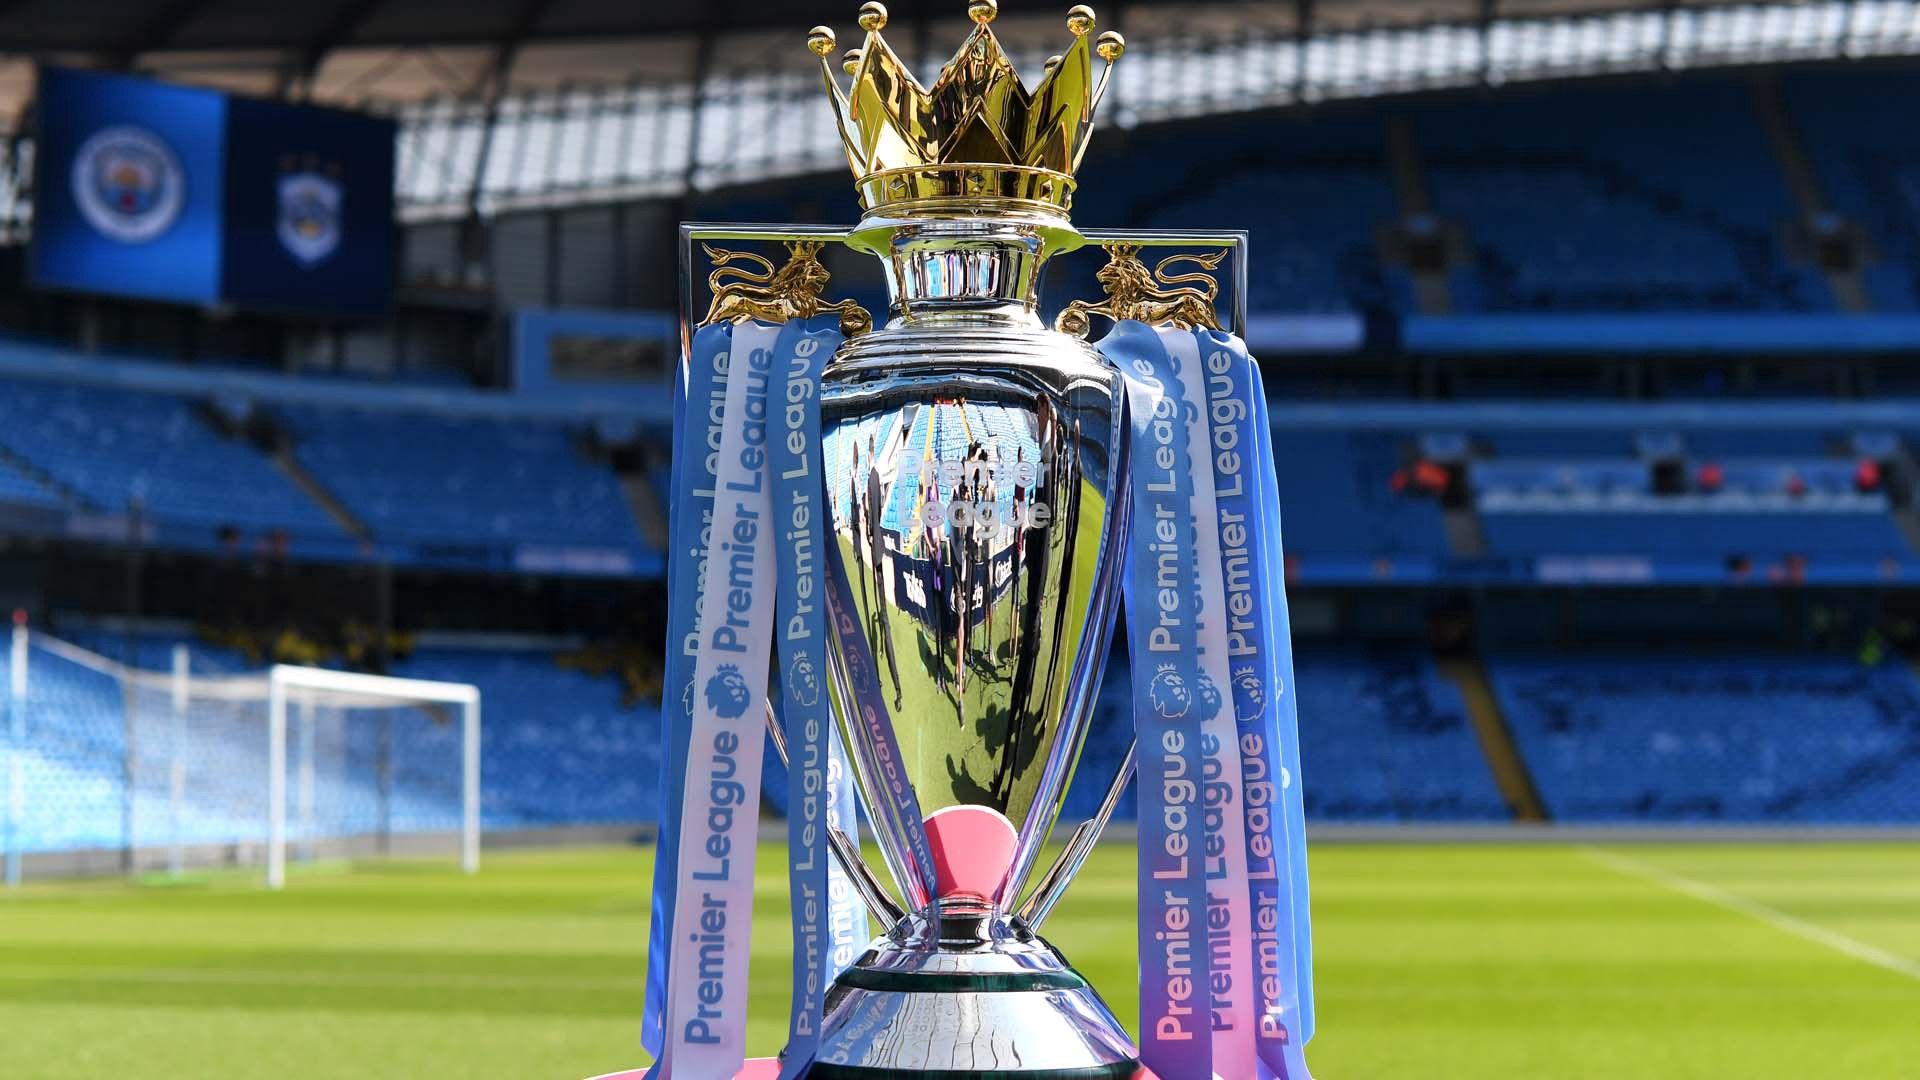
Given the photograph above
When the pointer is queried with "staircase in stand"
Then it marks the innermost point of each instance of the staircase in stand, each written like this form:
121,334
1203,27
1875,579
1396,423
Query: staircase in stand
44,478
1510,772
315,490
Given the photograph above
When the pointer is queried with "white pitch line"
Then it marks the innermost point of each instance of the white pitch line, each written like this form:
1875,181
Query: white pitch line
1754,909
312,979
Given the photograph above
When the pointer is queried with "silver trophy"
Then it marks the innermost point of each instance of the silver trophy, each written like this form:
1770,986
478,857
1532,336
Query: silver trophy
975,464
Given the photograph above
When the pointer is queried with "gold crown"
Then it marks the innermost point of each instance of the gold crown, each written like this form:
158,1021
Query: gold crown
978,136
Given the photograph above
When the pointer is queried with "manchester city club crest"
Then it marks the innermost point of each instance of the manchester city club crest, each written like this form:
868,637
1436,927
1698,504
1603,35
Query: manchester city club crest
309,219
128,183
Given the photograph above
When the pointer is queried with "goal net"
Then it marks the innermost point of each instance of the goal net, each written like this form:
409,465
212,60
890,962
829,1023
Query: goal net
170,762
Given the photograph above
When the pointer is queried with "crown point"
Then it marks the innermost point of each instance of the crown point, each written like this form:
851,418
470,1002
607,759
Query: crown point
982,11
820,40
1080,20
873,17
1111,46
850,61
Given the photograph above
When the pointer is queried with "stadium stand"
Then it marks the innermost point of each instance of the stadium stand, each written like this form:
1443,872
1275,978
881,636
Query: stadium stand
1383,737
1735,737
17,487
110,447
1314,195
1869,171
1600,198
423,478
1344,477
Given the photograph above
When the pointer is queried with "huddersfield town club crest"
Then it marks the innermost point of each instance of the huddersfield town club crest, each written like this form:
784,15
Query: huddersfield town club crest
128,184
309,221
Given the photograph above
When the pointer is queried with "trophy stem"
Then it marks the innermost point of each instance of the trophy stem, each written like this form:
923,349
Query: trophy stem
1053,884
969,271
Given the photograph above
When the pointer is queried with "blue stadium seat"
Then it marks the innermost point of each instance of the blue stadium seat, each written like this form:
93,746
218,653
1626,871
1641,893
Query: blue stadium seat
1383,737
1598,198
109,446
1336,498
1740,737
421,478
1867,167
20,489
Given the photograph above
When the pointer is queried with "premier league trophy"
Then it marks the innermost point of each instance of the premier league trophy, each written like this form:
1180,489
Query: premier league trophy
930,520
975,554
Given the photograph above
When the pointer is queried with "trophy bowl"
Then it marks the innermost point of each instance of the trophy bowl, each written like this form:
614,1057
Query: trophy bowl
975,466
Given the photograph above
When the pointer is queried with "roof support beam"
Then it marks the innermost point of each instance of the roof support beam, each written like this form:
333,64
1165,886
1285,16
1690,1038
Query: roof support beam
305,64
152,33
493,85
1489,13
1303,20
702,68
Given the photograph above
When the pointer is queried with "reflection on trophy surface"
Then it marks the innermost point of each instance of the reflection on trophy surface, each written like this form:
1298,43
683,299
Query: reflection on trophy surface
975,470
977,534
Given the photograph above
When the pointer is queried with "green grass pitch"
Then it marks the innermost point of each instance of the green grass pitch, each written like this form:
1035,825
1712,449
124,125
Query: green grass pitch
1434,962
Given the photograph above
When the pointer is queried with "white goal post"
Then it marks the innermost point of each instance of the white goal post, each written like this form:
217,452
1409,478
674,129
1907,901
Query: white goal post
351,689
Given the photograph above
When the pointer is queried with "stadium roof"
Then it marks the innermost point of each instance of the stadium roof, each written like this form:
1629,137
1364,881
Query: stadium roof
510,104
129,28
362,51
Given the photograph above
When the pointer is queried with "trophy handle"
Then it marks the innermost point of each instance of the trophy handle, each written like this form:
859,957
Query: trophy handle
880,905
1053,884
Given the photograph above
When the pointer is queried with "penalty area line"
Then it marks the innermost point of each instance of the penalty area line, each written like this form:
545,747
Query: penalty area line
1754,909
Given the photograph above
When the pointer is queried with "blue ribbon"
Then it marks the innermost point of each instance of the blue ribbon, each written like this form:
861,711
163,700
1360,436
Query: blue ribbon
879,751
801,636
849,914
1175,1035
1261,662
698,404
1284,704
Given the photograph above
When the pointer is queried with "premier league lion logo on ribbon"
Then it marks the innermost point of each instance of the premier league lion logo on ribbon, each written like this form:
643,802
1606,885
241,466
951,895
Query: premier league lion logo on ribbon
1249,695
1169,693
1209,695
728,694
803,680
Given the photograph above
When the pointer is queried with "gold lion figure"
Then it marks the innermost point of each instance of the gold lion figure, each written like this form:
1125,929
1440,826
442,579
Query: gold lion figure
791,292
1149,296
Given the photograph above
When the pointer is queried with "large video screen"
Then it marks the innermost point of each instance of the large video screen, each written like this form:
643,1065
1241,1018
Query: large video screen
173,193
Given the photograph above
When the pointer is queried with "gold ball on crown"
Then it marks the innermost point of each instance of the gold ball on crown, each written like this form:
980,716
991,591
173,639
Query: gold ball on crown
1080,20
1111,46
820,40
982,11
850,61
873,17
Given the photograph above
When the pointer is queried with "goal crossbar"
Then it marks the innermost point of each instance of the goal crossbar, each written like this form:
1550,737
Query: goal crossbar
357,690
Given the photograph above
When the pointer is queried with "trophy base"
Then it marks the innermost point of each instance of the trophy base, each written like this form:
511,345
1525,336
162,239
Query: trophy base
985,1001
769,1069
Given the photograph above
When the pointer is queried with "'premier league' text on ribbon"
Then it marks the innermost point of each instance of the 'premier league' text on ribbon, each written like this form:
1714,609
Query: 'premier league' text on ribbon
713,910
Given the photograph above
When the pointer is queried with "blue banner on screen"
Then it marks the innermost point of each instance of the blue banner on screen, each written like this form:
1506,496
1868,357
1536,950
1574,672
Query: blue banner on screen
165,192
309,209
128,187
